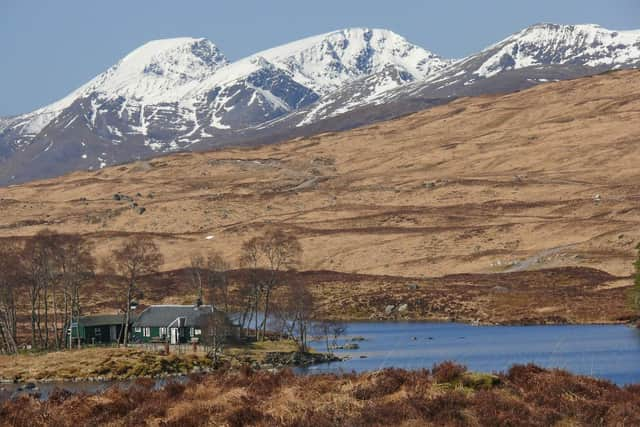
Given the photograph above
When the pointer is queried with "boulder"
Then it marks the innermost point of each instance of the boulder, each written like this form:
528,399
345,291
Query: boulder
298,358
389,309
402,308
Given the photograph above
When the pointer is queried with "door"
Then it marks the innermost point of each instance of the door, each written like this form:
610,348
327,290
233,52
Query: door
174,336
113,333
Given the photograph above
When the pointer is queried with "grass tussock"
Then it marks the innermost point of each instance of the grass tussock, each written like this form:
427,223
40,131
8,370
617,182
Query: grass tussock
447,395
108,363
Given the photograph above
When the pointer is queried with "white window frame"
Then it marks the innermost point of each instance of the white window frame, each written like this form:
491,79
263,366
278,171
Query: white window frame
146,332
163,332
197,331
137,329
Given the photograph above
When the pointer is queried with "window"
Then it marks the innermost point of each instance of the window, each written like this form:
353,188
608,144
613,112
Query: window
137,330
198,332
97,332
191,333
146,332
163,332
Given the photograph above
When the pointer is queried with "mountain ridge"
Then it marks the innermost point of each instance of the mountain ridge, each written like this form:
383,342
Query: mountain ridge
184,94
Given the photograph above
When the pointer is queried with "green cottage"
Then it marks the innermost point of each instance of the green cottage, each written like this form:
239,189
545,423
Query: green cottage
97,329
175,324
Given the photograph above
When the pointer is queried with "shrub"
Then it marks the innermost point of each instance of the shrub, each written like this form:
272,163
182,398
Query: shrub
521,374
480,381
246,415
444,409
196,416
623,414
380,384
495,410
448,372
173,389
58,395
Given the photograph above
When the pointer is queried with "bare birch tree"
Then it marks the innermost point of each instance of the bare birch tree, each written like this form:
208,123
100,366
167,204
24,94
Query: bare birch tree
138,256
11,276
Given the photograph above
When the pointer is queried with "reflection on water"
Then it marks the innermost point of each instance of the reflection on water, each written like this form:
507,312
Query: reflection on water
605,351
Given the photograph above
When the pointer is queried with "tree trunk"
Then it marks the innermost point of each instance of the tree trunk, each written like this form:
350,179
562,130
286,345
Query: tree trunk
39,319
46,316
55,319
127,315
255,309
66,324
267,294
75,312
33,322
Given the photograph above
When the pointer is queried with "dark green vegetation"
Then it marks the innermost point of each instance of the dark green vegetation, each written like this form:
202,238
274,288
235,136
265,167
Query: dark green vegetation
446,395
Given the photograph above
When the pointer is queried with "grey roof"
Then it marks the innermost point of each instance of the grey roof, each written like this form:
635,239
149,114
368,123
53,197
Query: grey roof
102,320
163,316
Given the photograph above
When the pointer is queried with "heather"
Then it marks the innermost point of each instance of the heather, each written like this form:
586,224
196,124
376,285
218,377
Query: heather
445,395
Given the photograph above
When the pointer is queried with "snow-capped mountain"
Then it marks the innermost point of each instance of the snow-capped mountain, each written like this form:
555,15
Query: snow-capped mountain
537,54
183,93
327,62
155,73
544,44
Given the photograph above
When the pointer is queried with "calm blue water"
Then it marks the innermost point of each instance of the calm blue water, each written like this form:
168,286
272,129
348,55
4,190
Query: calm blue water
611,352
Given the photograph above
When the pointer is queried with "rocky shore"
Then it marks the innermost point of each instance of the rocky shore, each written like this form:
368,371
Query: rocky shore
297,359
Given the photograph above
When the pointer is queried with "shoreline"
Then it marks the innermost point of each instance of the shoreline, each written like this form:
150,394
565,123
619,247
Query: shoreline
183,365
631,323
275,356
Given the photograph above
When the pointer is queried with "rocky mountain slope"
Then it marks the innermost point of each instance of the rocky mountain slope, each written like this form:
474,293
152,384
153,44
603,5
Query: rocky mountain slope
538,54
183,94
542,178
177,94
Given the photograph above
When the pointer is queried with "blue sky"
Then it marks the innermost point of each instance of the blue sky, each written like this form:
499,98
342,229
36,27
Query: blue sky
49,48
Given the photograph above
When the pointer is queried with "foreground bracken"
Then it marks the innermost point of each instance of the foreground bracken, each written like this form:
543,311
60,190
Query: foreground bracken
446,395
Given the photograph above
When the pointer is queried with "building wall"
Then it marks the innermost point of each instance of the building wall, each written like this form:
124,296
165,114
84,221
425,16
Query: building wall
96,334
140,334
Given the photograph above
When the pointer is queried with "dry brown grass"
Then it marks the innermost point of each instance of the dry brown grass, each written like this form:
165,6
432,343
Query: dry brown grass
480,186
256,351
524,396
108,363
505,178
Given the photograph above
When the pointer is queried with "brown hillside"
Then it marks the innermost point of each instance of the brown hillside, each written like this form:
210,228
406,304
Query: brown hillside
543,178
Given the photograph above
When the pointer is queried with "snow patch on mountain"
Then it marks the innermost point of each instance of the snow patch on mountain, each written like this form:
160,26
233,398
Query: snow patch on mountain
589,45
159,71
328,61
